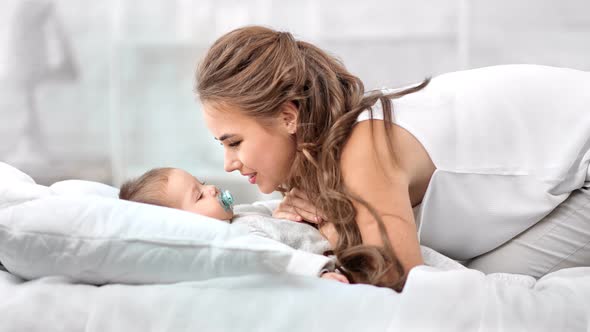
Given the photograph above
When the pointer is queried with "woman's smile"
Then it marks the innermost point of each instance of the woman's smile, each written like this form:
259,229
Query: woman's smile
252,178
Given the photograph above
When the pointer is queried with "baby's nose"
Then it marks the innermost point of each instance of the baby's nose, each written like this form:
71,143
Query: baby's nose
212,190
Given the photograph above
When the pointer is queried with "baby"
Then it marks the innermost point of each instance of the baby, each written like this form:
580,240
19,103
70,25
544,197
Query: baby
178,189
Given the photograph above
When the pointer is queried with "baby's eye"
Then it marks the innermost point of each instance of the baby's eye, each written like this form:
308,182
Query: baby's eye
199,196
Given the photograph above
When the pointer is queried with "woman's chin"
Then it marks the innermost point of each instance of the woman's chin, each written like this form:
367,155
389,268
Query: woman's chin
265,189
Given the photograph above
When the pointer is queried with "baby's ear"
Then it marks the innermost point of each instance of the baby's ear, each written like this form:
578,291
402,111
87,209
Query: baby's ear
288,117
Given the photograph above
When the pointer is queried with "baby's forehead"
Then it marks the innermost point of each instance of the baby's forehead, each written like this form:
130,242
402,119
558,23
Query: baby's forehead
180,173
183,177
190,176
194,179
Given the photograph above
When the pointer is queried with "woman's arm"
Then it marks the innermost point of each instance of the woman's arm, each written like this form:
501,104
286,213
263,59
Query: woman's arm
371,172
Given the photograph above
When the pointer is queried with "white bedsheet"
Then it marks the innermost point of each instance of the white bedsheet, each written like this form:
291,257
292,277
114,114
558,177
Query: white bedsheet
443,298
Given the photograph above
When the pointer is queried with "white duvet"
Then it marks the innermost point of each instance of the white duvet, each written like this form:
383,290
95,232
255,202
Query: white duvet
434,299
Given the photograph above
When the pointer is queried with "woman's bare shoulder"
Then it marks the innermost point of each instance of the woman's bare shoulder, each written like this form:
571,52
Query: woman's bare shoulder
366,156
367,146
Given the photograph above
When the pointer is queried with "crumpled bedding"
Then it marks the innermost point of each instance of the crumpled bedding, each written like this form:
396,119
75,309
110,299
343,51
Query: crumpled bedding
442,297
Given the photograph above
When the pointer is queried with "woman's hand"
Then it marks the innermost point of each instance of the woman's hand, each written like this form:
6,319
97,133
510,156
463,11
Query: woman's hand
328,231
297,207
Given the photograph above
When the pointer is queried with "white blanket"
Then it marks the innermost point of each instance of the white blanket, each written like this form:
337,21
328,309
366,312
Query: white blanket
440,299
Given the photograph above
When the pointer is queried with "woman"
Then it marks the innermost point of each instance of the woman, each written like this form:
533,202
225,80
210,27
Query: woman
485,154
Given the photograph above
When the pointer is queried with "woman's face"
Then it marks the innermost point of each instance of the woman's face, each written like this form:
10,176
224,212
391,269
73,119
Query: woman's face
264,154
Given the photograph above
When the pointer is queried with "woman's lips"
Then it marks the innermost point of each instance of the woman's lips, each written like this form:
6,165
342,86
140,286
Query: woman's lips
252,178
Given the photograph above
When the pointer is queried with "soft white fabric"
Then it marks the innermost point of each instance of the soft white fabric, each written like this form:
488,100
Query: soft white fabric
81,187
434,299
444,296
91,238
509,142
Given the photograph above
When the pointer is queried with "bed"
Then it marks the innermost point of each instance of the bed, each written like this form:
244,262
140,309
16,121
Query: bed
75,258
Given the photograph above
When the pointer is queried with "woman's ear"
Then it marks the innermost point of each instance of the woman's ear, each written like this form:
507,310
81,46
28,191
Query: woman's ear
288,117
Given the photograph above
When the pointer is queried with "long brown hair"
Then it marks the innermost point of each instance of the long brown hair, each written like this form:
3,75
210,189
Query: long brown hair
258,70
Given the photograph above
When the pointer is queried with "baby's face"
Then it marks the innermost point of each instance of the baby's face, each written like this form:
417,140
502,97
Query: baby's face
186,193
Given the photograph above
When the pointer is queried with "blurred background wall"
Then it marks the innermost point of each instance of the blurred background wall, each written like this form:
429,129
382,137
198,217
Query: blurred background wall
102,90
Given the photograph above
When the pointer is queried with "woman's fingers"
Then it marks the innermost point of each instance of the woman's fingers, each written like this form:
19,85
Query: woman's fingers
297,207
301,201
300,196
287,215
304,208
328,231
287,210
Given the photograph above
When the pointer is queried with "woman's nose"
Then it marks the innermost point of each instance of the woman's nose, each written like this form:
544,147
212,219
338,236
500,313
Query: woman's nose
231,164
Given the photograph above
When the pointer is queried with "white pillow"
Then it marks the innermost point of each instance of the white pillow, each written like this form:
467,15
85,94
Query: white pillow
81,187
81,230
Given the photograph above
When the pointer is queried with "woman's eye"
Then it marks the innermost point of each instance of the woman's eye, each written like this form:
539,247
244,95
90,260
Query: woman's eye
234,144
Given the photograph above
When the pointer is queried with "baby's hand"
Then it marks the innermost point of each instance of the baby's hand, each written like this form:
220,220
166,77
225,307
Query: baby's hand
335,276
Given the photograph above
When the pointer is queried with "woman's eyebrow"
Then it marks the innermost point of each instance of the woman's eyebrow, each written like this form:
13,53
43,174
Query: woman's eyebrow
224,137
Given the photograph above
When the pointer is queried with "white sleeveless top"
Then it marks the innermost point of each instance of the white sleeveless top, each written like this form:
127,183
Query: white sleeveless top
509,143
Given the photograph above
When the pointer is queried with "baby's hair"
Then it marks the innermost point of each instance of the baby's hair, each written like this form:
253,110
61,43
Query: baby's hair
148,188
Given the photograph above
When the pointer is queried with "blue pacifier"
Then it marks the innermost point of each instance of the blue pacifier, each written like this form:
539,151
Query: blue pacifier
226,200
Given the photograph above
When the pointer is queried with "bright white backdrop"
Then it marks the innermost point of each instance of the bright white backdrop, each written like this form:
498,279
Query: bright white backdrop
129,106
